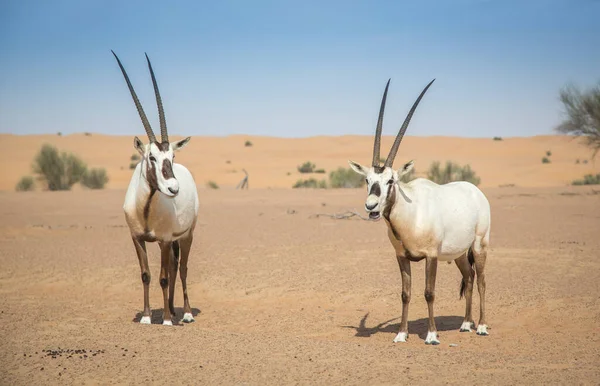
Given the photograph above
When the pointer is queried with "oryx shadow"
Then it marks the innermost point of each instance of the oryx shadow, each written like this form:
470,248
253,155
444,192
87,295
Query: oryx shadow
156,316
419,326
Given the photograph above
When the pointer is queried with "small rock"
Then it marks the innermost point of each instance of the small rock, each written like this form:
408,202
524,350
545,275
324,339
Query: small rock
453,345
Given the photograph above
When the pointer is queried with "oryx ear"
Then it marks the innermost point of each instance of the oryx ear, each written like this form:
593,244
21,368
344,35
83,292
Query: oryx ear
407,168
358,168
139,146
178,145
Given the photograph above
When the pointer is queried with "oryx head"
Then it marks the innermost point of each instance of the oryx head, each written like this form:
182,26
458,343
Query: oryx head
381,179
157,157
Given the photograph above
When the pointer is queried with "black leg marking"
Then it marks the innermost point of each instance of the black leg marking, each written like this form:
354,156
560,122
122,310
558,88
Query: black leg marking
164,282
146,278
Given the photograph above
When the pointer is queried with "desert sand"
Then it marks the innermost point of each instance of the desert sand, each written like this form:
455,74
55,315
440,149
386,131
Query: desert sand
283,297
272,162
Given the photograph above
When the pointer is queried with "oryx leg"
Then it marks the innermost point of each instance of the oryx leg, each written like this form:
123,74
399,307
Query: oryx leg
480,256
404,264
173,265
468,274
186,245
165,257
140,249
430,274
406,287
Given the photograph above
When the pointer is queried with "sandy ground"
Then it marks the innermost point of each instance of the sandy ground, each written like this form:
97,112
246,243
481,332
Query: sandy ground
272,162
283,298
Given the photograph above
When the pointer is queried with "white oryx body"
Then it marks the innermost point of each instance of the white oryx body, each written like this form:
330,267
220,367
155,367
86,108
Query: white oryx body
449,222
161,205
170,218
439,220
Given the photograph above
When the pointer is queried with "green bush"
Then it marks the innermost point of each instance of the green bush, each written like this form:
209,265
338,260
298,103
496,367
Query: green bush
497,138
345,178
320,171
310,183
452,172
58,171
94,179
248,144
545,160
25,184
133,165
135,157
548,153
306,167
588,179
212,185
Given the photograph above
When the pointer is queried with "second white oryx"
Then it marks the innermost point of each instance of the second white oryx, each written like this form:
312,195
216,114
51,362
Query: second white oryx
161,204
429,221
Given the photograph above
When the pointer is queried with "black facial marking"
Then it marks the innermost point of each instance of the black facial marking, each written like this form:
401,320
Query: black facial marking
151,175
378,169
167,169
164,282
375,189
162,146
145,278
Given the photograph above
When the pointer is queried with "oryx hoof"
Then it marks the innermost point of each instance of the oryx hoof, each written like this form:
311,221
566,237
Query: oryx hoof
482,330
167,323
466,327
401,337
145,320
188,318
432,338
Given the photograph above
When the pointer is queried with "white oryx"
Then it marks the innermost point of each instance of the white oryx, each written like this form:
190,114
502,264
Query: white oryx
429,221
161,204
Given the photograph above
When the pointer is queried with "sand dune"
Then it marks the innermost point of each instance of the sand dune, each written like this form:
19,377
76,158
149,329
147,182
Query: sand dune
272,162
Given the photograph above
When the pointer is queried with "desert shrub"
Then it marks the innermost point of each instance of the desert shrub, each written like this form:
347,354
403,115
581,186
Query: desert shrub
228,162
310,183
306,167
345,178
548,153
585,161
58,171
451,172
248,144
87,134
25,184
588,179
320,171
94,179
135,157
577,161
497,138
582,114
212,185
59,134
133,165
545,160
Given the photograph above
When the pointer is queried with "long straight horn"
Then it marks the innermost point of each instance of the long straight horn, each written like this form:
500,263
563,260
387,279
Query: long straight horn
138,105
161,111
390,159
377,144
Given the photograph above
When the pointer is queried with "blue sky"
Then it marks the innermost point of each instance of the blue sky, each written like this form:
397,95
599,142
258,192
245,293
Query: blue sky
294,68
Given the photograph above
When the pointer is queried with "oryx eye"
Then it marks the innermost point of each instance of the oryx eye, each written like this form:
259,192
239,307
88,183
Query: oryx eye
390,182
152,158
